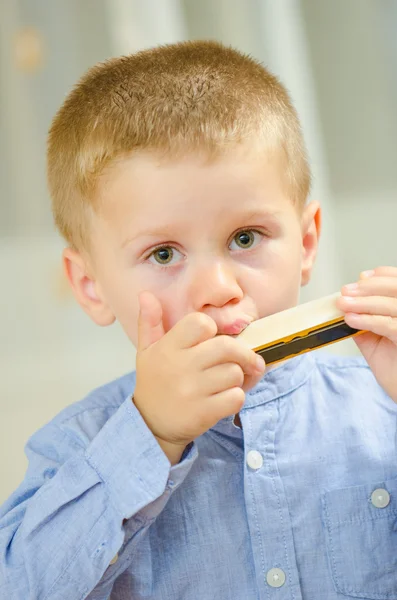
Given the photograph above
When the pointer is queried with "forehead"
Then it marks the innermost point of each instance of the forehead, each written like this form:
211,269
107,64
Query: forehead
148,183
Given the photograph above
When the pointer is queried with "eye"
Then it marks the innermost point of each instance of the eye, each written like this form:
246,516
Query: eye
164,255
246,238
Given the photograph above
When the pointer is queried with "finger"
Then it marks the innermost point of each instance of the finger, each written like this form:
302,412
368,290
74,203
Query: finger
193,329
372,286
226,403
150,320
222,377
384,326
387,271
367,343
251,381
372,305
225,349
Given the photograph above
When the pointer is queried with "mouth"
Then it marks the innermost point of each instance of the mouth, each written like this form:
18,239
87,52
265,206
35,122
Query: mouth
233,328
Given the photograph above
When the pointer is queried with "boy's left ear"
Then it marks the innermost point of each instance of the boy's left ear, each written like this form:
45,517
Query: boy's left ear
311,228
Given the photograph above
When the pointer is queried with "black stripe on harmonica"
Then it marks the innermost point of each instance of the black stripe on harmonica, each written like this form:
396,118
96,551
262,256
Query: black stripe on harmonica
310,341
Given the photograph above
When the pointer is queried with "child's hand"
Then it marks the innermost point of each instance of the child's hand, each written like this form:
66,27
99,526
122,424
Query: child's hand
371,304
188,378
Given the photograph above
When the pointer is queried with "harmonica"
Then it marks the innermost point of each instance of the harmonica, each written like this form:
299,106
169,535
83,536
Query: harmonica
297,330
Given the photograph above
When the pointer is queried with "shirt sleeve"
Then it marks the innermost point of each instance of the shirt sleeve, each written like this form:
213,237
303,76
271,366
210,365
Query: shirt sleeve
65,524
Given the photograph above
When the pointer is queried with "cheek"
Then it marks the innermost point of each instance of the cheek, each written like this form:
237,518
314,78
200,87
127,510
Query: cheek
124,298
120,292
288,282
170,290
127,314
279,294
275,286
173,309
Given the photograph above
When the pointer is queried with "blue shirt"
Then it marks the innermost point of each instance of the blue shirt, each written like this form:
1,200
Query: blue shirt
301,503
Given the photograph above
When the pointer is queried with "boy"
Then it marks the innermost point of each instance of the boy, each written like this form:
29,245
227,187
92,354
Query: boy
179,180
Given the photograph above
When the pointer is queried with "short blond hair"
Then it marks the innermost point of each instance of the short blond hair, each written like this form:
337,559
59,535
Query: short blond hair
176,98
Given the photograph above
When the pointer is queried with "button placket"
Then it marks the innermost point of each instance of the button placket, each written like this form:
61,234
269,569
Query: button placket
272,542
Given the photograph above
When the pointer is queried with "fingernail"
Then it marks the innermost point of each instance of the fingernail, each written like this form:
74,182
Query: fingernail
350,299
351,286
368,273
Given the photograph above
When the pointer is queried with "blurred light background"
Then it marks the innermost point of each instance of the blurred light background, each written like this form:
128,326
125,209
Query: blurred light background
339,61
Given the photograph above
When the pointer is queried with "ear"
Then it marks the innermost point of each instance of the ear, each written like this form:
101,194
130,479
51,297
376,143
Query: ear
311,228
85,288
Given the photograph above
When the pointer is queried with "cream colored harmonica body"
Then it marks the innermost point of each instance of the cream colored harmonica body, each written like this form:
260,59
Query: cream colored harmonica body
297,330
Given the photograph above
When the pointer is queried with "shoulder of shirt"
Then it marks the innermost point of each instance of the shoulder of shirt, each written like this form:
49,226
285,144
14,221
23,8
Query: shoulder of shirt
334,362
107,397
352,370
80,421
352,376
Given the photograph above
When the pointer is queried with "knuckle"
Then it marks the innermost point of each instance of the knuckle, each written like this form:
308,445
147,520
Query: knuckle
238,398
236,374
253,358
206,324
226,343
387,323
249,357
393,325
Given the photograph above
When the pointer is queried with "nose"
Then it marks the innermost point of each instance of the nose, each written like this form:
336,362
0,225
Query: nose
214,284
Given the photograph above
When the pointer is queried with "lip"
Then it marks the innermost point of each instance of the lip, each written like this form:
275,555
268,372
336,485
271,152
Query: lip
233,328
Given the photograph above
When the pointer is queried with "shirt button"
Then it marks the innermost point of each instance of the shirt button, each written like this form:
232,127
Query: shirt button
254,459
275,578
380,498
114,559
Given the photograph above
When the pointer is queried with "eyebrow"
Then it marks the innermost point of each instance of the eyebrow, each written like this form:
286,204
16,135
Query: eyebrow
261,214
160,232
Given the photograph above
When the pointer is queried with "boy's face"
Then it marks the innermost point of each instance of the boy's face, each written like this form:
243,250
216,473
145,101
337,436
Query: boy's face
220,238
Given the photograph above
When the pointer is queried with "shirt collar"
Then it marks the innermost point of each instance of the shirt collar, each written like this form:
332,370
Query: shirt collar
281,380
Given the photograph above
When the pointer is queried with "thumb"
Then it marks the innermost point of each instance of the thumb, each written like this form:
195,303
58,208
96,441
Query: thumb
150,320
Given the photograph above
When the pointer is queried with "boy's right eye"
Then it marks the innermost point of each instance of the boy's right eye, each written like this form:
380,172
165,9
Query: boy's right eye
163,255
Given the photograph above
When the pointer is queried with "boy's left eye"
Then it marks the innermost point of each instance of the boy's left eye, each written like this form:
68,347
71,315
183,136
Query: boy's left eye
246,238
